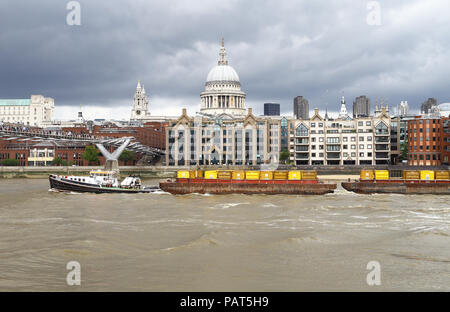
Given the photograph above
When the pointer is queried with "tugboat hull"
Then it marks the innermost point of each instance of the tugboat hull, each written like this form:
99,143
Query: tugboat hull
399,187
59,183
202,186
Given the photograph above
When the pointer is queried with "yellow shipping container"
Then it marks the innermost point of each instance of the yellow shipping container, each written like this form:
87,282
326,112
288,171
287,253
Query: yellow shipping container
295,175
381,174
366,175
426,175
411,175
212,174
238,175
442,175
266,175
309,175
252,175
183,174
280,175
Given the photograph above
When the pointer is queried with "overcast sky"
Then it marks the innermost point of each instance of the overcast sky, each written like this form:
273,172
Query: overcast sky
280,49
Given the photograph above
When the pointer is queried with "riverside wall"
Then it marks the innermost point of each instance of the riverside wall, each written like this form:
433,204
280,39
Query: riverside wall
332,172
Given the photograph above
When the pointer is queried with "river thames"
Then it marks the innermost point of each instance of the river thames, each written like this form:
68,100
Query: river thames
161,242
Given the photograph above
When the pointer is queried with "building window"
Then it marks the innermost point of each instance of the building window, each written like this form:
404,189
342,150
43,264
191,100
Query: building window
301,130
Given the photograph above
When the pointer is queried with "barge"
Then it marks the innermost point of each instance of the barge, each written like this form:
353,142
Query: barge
249,182
411,182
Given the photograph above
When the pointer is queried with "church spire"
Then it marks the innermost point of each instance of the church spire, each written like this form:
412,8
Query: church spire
223,55
143,89
138,85
343,112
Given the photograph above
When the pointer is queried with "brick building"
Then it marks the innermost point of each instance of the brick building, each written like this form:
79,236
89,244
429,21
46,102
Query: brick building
425,141
445,140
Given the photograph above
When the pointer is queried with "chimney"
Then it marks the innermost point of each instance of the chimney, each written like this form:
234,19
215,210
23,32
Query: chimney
184,112
250,111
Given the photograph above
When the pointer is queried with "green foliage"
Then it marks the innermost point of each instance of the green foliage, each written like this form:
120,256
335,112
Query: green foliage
284,155
9,162
57,161
91,154
127,156
403,151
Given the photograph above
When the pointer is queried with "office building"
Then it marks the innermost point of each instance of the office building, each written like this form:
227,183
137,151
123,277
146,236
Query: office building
361,107
271,109
301,108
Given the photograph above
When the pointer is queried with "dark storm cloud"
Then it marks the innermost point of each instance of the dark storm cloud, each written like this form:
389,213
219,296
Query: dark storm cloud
280,49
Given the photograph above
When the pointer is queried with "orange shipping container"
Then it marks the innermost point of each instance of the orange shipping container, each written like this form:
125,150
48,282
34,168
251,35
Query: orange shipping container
309,175
442,175
280,175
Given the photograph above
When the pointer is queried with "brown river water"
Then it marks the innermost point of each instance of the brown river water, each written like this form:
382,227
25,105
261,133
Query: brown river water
161,242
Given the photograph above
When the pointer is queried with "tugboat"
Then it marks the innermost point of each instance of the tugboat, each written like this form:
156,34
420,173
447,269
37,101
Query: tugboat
102,181
99,181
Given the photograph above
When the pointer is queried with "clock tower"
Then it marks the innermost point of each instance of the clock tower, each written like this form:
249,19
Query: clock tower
140,103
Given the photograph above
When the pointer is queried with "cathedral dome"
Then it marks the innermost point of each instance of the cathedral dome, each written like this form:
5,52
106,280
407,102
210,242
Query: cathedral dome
223,94
222,73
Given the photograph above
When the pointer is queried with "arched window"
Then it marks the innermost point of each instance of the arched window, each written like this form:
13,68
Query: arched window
301,130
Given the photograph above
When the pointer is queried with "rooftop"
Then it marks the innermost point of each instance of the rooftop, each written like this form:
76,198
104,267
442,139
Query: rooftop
14,102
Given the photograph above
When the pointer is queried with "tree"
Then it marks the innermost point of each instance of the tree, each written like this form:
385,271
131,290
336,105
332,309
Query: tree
403,151
9,162
91,154
284,155
127,156
58,161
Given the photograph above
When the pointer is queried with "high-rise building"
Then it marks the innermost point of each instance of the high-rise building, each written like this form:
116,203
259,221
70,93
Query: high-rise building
361,107
427,105
271,109
301,108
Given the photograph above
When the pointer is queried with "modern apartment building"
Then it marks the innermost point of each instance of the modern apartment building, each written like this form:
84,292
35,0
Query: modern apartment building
361,141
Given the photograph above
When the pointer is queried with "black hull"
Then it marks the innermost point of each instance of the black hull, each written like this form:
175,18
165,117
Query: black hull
66,185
